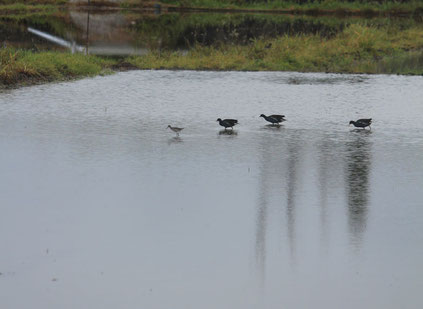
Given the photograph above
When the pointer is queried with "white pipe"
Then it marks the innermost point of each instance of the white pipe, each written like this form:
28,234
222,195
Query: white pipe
72,46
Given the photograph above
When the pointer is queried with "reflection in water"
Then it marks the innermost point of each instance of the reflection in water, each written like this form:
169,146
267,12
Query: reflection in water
325,162
261,223
280,178
275,171
228,132
301,80
357,180
272,126
293,160
269,175
329,172
174,140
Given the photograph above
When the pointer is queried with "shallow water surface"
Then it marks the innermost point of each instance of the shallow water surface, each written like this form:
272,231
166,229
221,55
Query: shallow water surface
103,207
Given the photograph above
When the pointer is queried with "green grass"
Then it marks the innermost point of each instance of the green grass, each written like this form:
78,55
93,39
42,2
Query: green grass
17,66
33,2
358,49
409,63
383,5
338,6
20,7
21,10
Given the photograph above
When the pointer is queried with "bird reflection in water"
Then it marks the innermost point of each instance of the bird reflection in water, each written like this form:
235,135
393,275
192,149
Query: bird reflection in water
361,131
275,127
228,132
174,140
358,165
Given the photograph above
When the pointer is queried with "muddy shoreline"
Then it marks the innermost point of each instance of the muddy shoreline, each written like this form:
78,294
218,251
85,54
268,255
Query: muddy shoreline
26,81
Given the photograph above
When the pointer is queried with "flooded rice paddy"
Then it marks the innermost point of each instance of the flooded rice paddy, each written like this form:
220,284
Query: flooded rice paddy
103,207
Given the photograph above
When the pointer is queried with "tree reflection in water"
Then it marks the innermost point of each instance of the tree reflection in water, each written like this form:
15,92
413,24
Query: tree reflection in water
283,176
294,151
328,171
278,185
358,164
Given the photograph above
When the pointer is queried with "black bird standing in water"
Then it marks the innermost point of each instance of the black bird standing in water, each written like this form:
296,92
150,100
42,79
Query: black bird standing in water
227,123
362,123
274,119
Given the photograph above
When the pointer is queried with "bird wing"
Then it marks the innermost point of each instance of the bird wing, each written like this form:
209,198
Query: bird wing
365,121
231,121
277,117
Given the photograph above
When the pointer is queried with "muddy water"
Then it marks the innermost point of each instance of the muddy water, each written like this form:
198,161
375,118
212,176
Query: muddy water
103,207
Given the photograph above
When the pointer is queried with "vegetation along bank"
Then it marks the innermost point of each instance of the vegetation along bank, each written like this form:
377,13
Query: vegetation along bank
358,47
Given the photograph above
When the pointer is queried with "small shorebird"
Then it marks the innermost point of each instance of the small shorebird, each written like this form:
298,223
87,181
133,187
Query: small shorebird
227,123
274,119
362,123
175,129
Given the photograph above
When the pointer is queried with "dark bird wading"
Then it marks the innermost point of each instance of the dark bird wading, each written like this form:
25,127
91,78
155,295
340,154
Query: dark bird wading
227,123
362,123
274,119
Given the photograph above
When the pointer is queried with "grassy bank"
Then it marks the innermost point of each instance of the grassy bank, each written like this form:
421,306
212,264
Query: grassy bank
22,6
302,4
18,67
311,7
357,49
